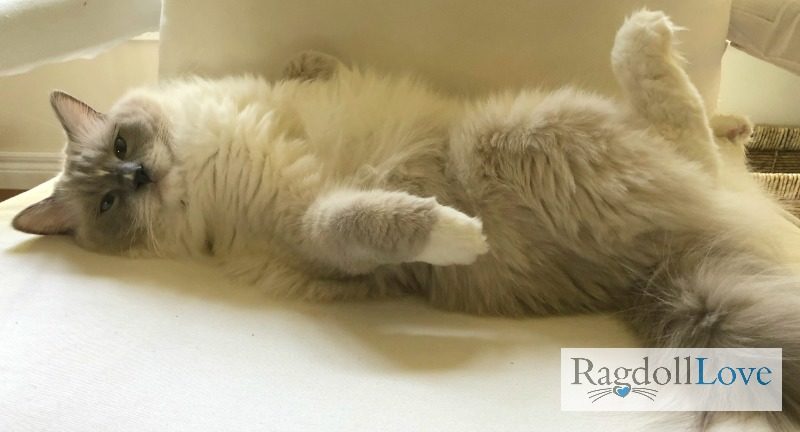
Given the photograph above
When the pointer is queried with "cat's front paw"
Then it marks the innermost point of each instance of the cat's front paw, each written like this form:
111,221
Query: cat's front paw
454,239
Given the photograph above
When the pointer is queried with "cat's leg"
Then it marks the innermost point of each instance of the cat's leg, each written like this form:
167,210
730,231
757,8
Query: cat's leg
356,231
648,68
311,65
732,133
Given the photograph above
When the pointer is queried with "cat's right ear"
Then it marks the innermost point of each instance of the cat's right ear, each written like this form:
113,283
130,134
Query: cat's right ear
76,116
47,217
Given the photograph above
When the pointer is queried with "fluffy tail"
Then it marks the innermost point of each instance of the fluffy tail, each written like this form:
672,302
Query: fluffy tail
725,300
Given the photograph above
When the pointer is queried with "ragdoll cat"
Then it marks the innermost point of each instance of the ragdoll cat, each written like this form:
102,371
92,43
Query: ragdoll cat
337,183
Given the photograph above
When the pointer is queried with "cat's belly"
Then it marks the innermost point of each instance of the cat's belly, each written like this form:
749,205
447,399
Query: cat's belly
526,272
576,208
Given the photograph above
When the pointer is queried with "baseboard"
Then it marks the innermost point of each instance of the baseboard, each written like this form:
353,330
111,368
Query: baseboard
24,170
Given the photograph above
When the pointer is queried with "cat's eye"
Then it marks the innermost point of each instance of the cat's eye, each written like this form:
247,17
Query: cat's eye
120,147
107,202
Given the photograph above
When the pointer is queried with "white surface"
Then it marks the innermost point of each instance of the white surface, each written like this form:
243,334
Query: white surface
462,46
36,32
98,343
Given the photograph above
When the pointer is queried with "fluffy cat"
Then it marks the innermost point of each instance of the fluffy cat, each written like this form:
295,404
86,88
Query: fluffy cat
338,183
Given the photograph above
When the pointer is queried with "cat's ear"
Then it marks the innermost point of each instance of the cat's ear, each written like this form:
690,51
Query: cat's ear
49,216
76,116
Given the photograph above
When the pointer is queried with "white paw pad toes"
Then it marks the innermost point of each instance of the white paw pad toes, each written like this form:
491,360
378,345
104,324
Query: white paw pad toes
737,129
455,239
651,31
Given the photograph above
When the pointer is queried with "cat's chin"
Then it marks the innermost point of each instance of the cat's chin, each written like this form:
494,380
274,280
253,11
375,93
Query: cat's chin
169,187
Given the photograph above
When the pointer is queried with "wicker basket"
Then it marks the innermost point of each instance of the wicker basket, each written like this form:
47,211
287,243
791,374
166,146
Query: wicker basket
774,157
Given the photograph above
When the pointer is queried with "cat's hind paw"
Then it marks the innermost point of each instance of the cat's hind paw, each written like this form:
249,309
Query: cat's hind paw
311,65
736,129
454,239
645,33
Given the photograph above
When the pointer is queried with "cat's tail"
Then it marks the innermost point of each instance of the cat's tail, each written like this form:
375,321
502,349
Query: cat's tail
713,299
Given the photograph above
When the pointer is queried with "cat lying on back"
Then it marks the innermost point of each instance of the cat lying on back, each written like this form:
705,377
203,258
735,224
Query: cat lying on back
338,183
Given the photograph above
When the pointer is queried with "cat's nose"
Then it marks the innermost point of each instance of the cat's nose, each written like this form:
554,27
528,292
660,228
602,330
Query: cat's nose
134,174
140,178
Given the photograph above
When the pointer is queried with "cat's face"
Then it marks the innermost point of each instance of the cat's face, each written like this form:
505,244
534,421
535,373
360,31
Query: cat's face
110,194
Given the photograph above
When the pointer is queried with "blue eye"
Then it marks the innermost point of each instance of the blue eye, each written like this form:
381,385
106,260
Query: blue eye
120,147
107,202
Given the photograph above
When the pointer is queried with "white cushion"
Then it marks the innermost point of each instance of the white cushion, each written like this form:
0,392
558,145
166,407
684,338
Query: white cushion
98,343
464,46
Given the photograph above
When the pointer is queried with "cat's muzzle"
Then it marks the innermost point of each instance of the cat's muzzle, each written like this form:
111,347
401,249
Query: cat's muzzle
134,174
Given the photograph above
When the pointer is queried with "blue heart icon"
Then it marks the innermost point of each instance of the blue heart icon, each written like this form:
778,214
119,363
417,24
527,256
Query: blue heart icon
622,390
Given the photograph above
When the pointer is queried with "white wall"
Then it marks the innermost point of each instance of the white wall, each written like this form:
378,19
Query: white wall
766,93
31,138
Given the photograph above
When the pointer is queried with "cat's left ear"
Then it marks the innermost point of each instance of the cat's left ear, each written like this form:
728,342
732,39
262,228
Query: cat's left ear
47,217
76,116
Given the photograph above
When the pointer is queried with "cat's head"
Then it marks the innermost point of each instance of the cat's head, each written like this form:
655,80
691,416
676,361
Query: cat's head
110,193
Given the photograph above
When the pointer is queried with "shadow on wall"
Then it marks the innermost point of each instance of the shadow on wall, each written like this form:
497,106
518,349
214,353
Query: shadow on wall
31,140
766,93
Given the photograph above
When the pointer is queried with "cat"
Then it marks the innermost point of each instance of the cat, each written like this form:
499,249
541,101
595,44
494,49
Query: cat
338,183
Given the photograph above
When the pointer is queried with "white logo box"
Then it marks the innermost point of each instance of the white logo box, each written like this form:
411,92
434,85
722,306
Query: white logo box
671,379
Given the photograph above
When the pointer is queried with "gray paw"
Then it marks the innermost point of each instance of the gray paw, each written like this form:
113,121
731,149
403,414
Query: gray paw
311,65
